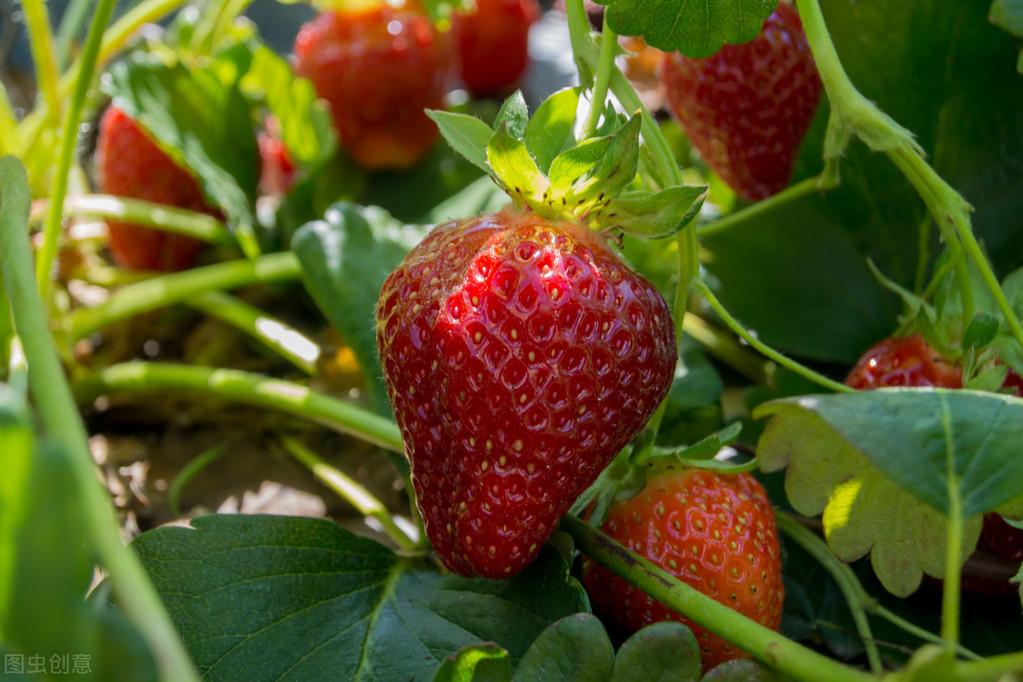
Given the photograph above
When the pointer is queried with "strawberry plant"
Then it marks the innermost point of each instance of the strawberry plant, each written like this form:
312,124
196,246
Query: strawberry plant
390,371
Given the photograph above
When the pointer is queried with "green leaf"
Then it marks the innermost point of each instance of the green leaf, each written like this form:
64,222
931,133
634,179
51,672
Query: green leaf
515,168
551,130
741,670
513,114
927,439
200,118
705,448
476,663
16,445
306,125
697,29
662,652
467,135
345,259
574,649
981,331
653,215
271,598
864,510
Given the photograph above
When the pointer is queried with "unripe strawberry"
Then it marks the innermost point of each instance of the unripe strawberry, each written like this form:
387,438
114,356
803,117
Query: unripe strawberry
131,165
520,356
747,108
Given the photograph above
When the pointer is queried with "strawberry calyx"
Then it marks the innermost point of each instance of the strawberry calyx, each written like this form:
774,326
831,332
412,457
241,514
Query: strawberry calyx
594,181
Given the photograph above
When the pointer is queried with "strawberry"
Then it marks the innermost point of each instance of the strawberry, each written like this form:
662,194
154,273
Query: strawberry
713,531
520,355
1002,542
493,44
378,67
278,171
747,107
131,165
906,361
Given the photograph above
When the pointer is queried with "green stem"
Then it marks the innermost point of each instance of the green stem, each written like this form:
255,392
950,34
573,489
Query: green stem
350,491
749,214
156,216
165,290
993,668
188,473
764,349
288,342
64,426
852,114
605,65
724,347
69,140
8,124
923,255
246,388
855,596
915,630
762,643
70,24
37,21
953,567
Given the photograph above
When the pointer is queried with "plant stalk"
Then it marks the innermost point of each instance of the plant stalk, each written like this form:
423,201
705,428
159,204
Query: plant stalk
747,215
179,287
605,65
68,142
63,424
40,33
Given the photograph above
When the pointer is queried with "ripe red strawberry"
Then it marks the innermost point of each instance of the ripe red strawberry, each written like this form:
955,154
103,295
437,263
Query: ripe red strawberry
278,171
132,165
493,44
520,356
713,531
906,361
378,68
747,107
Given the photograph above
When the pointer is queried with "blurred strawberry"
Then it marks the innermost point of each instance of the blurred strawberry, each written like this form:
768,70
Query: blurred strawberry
378,67
131,165
747,107
277,172
905,361
493,44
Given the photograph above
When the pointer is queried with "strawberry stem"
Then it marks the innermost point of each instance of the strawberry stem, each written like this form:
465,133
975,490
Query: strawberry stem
764,349
245,388
189,472
158,292
37,21
605,64
156,216
762,643
350,491
64,426
855,596
68,141
852,114
283,339
749,214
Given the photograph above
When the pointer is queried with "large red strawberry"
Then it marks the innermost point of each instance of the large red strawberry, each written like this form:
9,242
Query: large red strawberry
905,361
747,107
493,44
378,67
520,356
713,531
131,165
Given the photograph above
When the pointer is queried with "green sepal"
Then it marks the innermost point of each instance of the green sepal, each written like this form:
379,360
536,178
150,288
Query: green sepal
515,169
514,114
467,135
608,175
654,214
551,130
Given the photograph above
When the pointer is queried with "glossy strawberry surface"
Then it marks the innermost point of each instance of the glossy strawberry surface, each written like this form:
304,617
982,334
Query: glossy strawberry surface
713,531
378,68
131,165
905,361
493,44
520,356
747,108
